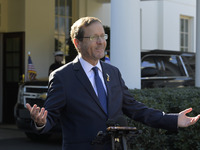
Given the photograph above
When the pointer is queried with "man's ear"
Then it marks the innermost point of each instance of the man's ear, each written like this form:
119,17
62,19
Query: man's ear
76,43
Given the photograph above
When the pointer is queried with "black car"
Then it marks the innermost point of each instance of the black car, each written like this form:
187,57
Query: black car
159,69
32,92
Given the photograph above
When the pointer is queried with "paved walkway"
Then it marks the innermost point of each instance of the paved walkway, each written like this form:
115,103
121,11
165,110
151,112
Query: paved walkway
8,126
8,131
11,138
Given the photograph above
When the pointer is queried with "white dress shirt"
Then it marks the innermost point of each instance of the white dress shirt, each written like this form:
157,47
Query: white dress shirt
87,67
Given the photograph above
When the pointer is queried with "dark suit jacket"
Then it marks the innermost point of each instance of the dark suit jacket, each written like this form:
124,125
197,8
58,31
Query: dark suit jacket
71,99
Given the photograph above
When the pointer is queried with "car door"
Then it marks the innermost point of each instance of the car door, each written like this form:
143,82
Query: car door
151,72
174,71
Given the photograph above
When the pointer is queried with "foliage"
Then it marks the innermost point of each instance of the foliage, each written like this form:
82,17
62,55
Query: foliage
72,51
171,100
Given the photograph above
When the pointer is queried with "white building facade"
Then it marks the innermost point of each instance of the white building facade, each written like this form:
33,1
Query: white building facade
148,25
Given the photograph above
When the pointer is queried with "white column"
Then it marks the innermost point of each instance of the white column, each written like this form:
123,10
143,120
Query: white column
125,40
39,39
197,72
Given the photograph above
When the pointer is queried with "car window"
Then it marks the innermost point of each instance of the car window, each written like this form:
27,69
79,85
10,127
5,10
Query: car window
166,65
171,65
189,64
148,62
149,67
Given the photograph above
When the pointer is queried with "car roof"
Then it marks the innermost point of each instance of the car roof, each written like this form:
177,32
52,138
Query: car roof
158,51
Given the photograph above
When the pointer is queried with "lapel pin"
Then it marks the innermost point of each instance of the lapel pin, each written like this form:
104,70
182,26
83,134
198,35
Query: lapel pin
108,77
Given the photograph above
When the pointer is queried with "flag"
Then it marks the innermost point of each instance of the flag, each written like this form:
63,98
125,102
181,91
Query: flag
107,59
31,69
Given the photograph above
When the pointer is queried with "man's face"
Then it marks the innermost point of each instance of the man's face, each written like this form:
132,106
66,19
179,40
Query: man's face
93,50
59,58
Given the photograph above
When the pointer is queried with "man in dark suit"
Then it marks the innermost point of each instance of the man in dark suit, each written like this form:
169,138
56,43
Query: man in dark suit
75,100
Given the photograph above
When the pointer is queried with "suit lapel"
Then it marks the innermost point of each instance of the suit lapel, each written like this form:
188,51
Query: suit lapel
82,77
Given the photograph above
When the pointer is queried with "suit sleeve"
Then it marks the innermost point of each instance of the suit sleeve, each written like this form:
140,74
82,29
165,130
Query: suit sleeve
55,102
149,116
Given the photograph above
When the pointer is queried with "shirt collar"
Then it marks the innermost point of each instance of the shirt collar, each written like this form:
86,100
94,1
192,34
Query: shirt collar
87,66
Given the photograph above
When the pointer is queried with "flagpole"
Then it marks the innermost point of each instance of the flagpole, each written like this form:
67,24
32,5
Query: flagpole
26,73
31,72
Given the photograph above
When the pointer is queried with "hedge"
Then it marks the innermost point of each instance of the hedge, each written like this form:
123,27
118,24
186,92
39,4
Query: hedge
169,100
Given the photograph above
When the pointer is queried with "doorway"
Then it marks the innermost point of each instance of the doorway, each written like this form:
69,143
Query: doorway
13,68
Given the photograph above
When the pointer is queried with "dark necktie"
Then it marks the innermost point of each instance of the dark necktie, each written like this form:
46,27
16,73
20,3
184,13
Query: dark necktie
100,89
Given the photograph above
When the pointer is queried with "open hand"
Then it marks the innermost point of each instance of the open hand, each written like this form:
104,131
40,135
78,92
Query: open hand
38,115
185,121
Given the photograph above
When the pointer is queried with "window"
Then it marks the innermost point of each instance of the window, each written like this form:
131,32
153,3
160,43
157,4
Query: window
190,64
172,66
63,22
148,62
148,67
185,34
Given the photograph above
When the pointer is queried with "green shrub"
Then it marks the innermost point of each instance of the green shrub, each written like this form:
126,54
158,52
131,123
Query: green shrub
169,100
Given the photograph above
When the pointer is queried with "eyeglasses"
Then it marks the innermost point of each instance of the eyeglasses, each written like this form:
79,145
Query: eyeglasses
96,37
